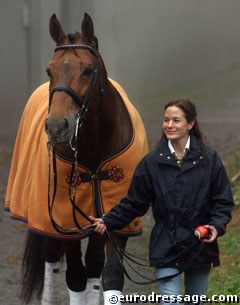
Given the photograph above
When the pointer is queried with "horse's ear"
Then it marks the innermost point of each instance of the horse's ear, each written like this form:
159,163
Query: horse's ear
56,30
87,27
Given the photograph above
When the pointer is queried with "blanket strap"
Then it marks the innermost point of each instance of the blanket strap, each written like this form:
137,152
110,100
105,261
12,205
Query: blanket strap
89,177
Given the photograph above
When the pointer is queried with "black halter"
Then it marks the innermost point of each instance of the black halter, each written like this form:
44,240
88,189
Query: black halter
82,103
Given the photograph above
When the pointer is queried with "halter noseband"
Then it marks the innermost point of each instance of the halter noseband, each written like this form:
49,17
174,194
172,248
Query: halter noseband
62,87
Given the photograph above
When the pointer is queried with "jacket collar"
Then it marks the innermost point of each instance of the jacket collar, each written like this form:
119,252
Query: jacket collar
164,154
172,150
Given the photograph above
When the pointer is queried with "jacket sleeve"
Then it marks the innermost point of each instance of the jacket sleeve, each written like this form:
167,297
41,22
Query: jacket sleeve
221,198
136,203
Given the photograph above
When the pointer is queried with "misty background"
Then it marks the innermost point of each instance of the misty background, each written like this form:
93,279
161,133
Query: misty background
156,49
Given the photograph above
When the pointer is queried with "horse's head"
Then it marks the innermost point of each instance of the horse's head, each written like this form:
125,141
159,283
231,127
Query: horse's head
76,74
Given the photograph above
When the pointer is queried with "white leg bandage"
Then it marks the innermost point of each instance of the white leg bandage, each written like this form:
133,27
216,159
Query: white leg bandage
50,294
93,291
77,298
112,297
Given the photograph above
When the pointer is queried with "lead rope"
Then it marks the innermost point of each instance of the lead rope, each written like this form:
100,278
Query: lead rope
73,144
123,255
73,175
62,230
57,227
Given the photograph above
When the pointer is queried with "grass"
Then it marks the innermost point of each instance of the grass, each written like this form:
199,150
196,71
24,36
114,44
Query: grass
233,170
225,280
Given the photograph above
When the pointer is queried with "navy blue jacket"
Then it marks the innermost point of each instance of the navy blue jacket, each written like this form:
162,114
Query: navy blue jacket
182,198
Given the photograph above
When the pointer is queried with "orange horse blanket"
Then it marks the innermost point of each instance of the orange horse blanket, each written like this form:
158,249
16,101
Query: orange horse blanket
27,191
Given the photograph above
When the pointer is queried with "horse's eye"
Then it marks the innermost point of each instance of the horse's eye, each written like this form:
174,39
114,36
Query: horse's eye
49,72
88,72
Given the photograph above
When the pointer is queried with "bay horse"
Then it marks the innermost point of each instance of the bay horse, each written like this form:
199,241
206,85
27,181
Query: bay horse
78,143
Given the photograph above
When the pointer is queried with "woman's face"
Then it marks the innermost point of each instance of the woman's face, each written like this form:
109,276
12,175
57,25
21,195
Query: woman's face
175,125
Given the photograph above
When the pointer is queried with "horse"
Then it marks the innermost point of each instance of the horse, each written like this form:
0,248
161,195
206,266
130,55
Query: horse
78,143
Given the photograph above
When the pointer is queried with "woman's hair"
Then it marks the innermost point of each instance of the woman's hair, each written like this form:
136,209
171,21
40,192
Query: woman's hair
190,113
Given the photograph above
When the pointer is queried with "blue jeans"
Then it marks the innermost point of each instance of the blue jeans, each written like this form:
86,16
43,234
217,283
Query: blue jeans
195,281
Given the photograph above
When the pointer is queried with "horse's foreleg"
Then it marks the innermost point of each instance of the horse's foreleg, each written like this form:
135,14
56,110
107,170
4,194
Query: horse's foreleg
52,252
76,277
113,277
94,261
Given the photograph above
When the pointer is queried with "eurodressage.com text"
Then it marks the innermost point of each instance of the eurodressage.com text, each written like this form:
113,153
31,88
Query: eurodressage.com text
156,298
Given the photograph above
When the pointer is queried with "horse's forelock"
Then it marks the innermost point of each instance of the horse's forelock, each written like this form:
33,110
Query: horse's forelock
72,37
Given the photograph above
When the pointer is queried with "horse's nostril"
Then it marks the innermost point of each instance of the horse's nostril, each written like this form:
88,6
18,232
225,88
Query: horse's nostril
46,125
65,124
61,126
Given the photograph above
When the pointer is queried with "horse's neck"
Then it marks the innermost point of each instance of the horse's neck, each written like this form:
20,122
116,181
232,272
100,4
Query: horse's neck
107,132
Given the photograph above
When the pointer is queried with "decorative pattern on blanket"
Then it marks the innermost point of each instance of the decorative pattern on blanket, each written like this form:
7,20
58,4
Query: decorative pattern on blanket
27,191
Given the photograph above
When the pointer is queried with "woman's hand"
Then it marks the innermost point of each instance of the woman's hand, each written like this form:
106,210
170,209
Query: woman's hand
100,227
212,234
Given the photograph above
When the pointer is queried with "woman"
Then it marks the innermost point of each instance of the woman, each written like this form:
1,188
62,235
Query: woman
187,186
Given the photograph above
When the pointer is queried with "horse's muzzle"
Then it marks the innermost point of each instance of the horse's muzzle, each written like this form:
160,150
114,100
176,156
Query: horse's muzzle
59,130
